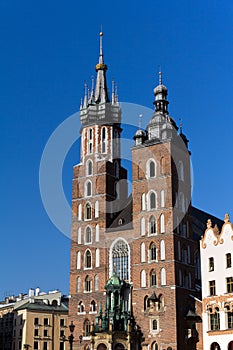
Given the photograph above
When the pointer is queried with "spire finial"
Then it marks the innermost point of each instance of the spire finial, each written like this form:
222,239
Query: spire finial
160,75
101,41
181,125
140,121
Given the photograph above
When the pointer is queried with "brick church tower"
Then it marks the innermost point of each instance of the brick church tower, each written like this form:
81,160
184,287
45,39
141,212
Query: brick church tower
132,274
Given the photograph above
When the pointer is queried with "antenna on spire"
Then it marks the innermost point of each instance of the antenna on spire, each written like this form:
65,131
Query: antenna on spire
140,121
85,94
181,125
160,75
113,91
101,40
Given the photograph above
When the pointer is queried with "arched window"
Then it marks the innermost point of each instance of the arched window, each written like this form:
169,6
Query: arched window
215,346
78,284
152,225
162,224
152,278
87,284
88,188
143,278
97,257
230,345
163,277
97,233
88,211
143,252
151,168
88,235
162,199
96,209
181,170
79,236
80,212
78,260
90,141
143,201
154,346
152,200
162,250
89,167
87,328
143,227
93,306
152,252
120,259
81,307
96,282
103,140
87,259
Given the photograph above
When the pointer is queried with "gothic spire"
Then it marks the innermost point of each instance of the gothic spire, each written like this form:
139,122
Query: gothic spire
101,91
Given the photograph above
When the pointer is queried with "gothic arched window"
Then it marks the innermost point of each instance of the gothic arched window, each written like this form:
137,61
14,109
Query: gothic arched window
96,282
143,278
143,252
152,252
162,224
87,328
162,250
88,235
90,141
151,168
163,277
87,259
87,284
120,259
152,278
103,140
89,167
152,200
88,188
93,306
88,211
152,225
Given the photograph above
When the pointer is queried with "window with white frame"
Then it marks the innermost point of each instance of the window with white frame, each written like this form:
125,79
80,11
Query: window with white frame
97,257
88,234
89,167
143,278
88,188
143,227
79,235
151,168
97,234
90,141
153,281
162,199
162,223
88,210
103,140
152,200
152,225
120,259
96,209
143,252
87,259
96,282
162,250
80,212
152,252
78,260
143,201
163,277
87,284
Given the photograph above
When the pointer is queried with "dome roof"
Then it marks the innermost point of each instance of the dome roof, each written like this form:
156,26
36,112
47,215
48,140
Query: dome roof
114,280
160,88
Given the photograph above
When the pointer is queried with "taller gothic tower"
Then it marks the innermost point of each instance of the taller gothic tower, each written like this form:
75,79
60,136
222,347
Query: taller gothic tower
135,254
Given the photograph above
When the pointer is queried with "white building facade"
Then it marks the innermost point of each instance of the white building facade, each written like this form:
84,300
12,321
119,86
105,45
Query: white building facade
216,249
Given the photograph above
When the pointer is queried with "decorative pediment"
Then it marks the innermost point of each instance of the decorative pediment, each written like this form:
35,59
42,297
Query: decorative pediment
213,235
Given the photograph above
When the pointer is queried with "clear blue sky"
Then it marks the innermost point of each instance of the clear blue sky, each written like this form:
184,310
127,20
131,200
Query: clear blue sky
48,49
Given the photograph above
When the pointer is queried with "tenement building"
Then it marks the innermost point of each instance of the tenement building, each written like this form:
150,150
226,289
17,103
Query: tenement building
135,262
217,286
